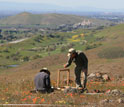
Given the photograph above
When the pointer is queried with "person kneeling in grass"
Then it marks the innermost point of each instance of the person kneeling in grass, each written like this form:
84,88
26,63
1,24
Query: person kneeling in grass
42,81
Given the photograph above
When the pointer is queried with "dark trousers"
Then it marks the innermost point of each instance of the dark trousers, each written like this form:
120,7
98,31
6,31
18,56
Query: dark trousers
78,71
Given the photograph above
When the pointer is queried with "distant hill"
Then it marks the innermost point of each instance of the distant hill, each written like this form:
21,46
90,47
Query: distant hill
51,19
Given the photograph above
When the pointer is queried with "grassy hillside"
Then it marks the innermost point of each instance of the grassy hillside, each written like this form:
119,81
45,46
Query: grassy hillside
112,32
41,46
17,82
48,20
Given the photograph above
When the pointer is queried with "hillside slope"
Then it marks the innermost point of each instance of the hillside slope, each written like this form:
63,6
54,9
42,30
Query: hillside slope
16,83
113,38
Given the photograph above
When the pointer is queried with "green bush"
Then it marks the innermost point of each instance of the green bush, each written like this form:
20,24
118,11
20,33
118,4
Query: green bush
36,56
6,50
25,58
66,47
51,48
111,53
63,48
91,46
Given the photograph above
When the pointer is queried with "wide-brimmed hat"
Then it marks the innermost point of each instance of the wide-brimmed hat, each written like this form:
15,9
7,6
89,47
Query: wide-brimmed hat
71,51
45,70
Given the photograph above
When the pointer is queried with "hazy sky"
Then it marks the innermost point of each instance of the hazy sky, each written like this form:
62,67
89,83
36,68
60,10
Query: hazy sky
105,4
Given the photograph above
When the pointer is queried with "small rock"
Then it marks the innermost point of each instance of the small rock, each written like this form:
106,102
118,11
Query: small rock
104,101
70,90
91,75
67,87
106,77
74,90
98,75
115,92
120,100
66,90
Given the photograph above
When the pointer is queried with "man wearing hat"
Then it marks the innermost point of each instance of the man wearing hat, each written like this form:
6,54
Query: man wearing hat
42,81
81,62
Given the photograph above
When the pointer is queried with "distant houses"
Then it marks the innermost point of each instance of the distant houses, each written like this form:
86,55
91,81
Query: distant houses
82,24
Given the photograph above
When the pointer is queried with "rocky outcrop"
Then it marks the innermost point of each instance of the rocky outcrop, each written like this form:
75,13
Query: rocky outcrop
98,77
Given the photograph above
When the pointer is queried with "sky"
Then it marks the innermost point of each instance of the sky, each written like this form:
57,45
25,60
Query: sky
102,4
105,4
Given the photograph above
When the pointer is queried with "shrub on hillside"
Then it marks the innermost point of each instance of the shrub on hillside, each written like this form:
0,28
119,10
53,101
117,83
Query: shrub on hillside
7,57
6,50
91,46
111,53
38,38
15,54
100,27
36,56
66,47
15,58
70,45
63,48
25,58
100,38
51,48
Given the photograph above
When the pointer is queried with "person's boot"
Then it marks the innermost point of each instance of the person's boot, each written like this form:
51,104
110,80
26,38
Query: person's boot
33,91
84,90
80,89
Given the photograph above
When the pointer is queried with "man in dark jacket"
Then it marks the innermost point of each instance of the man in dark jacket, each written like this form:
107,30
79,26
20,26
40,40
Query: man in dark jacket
81,62
42,81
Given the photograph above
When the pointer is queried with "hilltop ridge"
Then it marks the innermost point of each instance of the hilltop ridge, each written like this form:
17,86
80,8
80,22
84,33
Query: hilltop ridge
51,19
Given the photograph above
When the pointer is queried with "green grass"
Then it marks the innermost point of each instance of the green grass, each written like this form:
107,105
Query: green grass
22,49
94,38
112,32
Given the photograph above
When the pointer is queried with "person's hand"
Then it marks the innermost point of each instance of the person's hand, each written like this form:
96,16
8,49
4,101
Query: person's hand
64,65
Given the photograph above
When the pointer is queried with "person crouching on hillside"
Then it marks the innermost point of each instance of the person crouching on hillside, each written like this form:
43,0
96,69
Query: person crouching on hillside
42,81
81,62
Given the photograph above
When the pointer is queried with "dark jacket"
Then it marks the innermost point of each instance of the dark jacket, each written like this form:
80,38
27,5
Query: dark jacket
80,60
42,81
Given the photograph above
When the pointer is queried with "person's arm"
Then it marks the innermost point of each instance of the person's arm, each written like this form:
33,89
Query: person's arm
48,83
68,62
